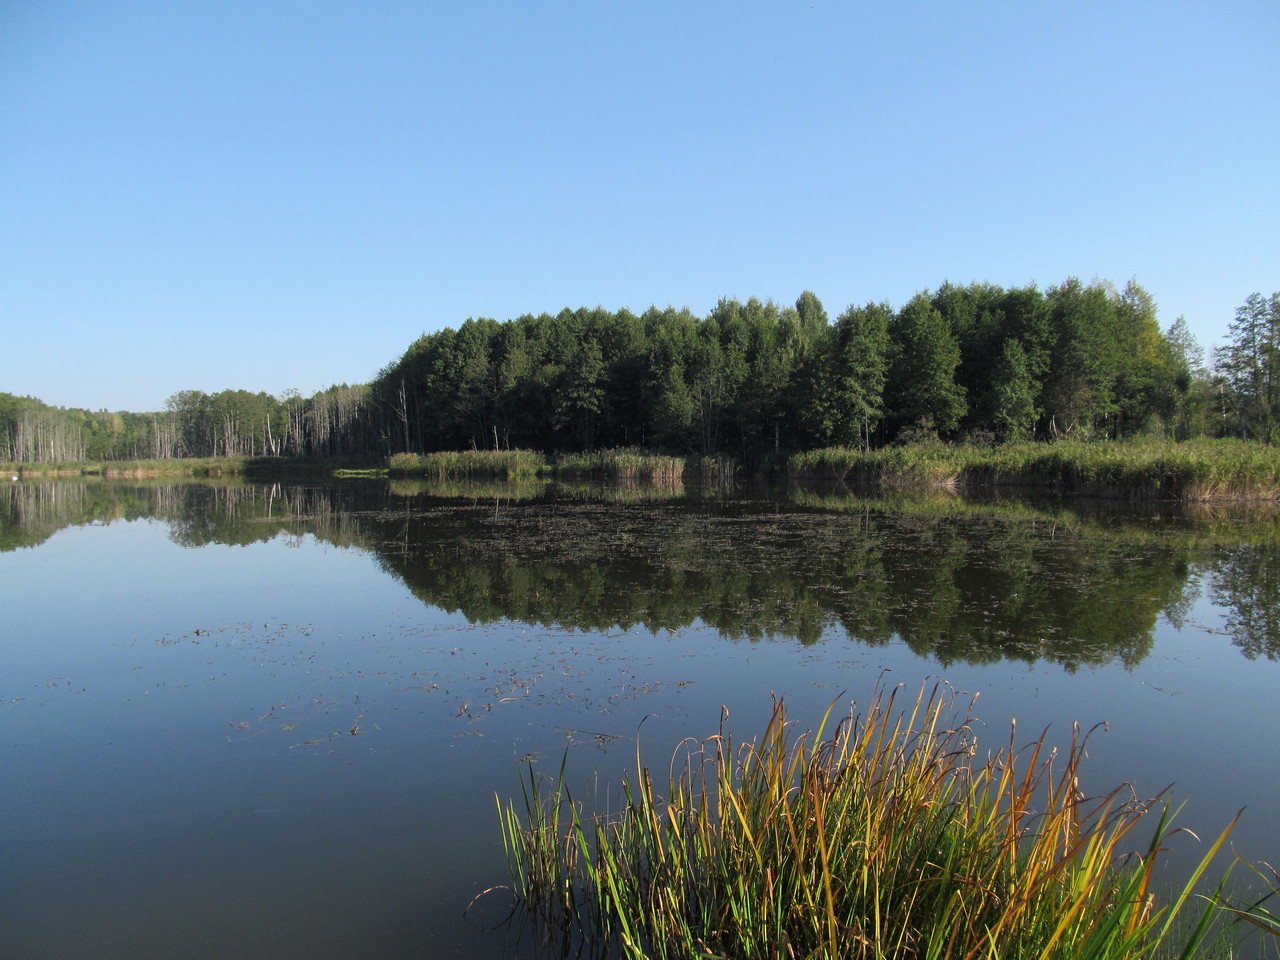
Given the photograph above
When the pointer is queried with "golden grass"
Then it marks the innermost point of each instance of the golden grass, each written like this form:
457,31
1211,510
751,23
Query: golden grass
1200,470
893,836
468,464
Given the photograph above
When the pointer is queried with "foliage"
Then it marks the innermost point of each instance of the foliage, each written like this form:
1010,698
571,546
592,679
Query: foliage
922,372
751,380
847,389
891,836
1250,367
1015,411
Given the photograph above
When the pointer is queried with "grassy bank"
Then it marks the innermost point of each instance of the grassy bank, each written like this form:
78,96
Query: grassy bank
249,467
1194,470
176,467
893,836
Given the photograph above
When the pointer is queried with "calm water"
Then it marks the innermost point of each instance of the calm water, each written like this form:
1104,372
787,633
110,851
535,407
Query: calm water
271,721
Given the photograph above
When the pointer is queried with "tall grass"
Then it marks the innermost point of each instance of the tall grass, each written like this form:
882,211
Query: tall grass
934,464
468,464
624,463
890,837
633,463
172,467
1145,469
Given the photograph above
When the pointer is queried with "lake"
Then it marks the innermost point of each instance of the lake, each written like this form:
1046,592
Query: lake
271,720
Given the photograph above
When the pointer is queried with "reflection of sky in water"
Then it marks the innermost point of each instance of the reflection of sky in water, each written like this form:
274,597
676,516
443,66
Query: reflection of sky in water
312,773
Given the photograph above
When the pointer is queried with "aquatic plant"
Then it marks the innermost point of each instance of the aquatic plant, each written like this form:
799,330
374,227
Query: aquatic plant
623,463
1136,469
468,464
891,836
634,463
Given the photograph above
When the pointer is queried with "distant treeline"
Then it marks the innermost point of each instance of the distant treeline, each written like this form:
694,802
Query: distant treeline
233,423
752,380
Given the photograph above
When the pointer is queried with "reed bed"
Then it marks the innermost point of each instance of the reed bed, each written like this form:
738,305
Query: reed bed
469,465
633,463
890,837
923,465
1193,470
172,467
1160,470
624,463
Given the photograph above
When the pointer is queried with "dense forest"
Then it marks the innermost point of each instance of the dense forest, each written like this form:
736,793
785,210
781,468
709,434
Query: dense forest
751,380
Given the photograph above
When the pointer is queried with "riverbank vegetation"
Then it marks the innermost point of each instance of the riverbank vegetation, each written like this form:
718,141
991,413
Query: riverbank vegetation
750,383
893,835
171,467
469,465
1147,469
612,465
629,463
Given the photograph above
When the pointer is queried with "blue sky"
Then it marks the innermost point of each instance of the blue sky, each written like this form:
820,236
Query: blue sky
258,195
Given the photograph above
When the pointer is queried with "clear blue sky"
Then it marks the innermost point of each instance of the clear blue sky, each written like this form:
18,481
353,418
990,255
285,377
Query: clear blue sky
265,195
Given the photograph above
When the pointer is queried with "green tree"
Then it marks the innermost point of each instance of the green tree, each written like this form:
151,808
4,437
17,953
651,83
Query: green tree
1014,391
1193,381
581,394
1080,393
973,313
846,402
1147,381
813,316
922,371
1250,367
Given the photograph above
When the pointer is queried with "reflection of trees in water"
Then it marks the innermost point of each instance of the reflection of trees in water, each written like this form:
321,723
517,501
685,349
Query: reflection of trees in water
1246,583
198,512
950,588
30,513
956,582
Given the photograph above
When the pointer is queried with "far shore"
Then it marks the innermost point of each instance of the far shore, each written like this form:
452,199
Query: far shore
1199,470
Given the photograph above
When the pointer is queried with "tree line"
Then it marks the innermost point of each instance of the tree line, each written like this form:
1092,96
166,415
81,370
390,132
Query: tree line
755,380
231,423
752,380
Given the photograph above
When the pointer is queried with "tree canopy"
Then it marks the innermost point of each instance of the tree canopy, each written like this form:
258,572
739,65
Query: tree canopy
754,380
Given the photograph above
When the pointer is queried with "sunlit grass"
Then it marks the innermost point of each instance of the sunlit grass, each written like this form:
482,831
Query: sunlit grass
468,464
1146,469
634,463
173,467
890,835
625,463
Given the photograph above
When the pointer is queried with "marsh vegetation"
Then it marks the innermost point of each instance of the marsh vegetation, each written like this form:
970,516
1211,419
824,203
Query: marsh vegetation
890,832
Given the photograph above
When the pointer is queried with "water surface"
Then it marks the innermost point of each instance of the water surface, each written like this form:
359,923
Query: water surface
271,721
